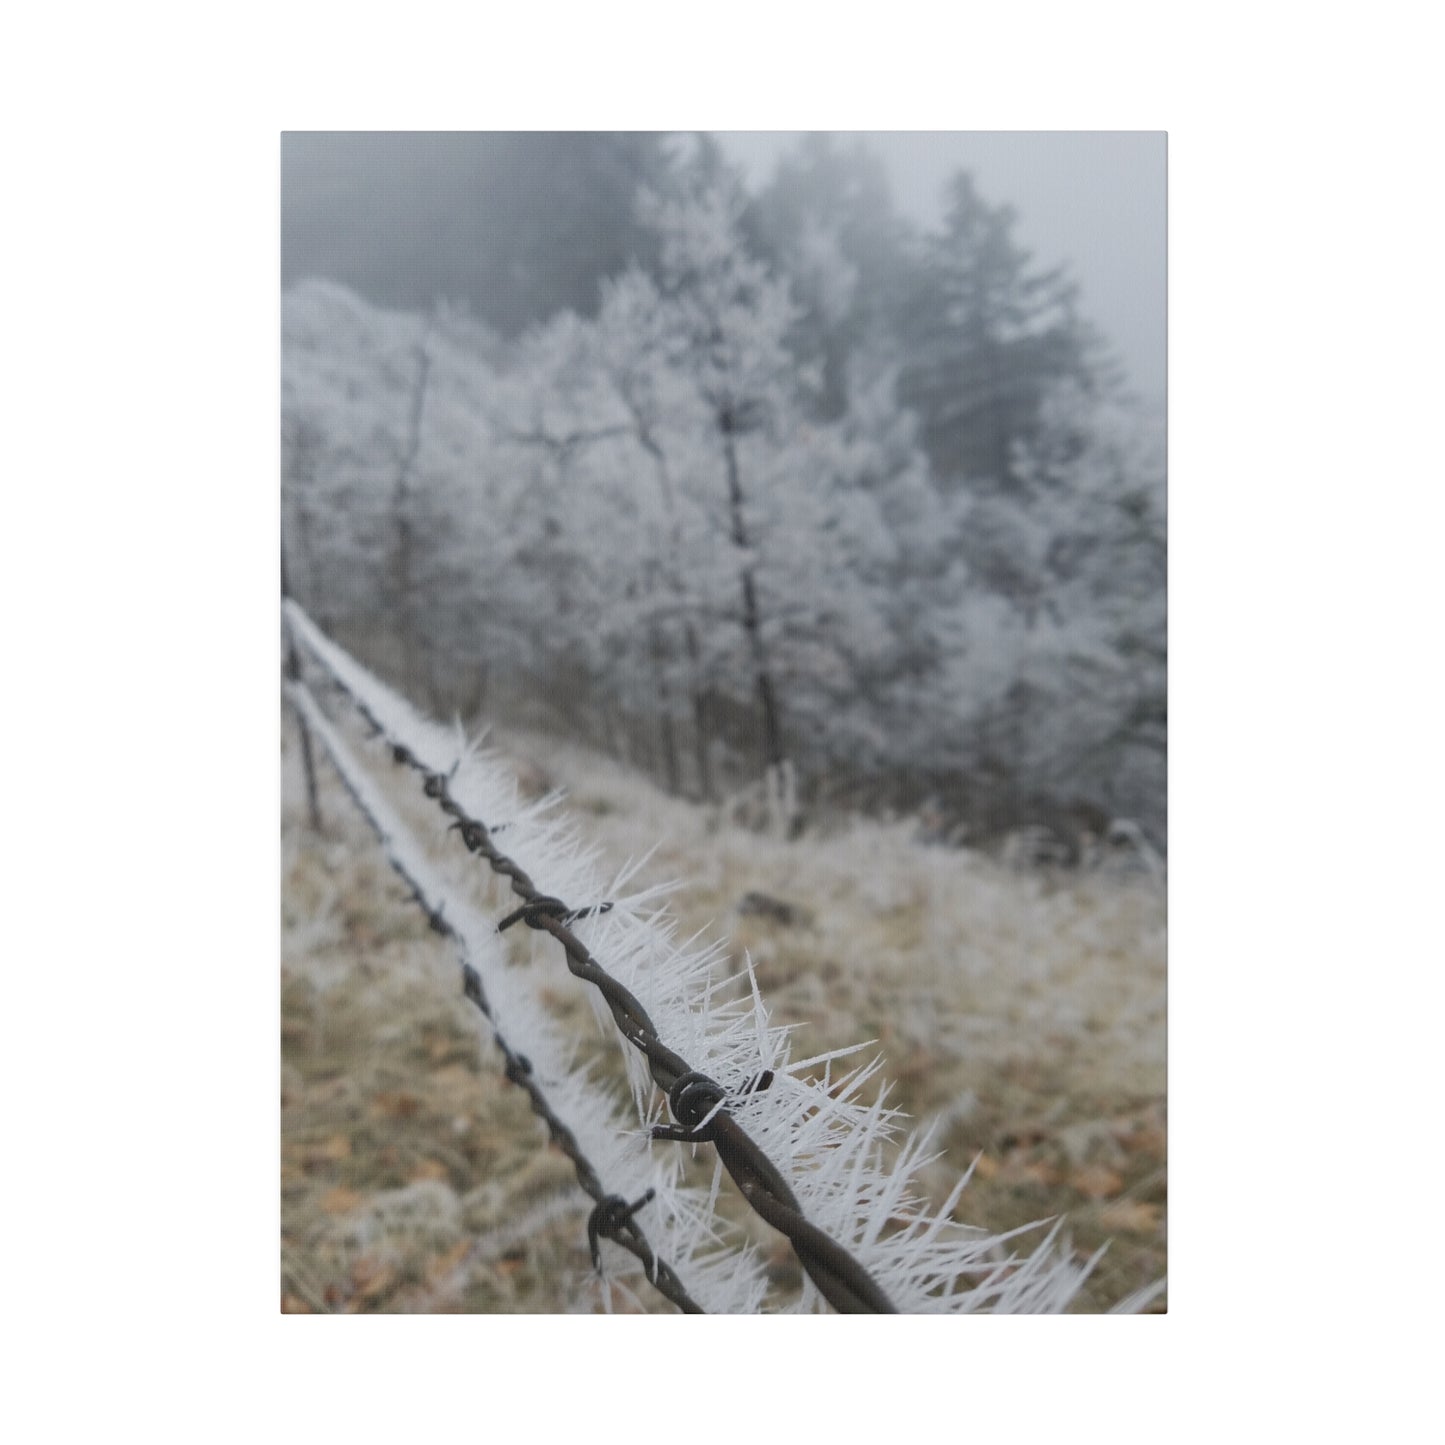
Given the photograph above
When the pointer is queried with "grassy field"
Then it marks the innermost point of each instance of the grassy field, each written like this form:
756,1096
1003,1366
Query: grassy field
1021,1011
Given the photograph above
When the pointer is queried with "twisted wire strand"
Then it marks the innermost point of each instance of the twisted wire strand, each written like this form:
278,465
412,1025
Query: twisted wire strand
612,1216
697,1102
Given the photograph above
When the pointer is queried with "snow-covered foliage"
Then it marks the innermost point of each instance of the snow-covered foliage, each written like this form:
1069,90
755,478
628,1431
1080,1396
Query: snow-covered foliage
1064,674
388,502
846,1159
662,529
761,541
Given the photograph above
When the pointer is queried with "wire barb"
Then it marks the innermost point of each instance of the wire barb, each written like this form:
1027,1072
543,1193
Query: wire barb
516,1066
840,1278
532,913
926,1257
608,1218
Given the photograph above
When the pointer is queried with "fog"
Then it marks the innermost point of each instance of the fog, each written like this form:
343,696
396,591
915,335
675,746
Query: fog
756,458
402,217
1094,200
795,508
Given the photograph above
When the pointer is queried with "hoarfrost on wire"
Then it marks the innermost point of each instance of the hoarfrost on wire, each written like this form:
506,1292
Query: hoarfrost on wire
849,1162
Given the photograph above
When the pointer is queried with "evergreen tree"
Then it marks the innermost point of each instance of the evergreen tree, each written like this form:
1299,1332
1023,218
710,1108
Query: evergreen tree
695,524
986,338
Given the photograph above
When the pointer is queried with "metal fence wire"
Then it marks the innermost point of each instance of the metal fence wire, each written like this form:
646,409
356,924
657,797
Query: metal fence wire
698,1103
612,1217
929,1257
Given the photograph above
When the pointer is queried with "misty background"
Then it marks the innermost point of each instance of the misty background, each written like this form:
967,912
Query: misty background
832,461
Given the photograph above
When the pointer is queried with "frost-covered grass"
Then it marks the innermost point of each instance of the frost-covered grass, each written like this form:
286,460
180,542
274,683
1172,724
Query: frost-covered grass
1022,1012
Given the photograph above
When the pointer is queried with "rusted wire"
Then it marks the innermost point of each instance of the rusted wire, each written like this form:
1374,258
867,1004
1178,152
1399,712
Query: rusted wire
840,1278
611,1216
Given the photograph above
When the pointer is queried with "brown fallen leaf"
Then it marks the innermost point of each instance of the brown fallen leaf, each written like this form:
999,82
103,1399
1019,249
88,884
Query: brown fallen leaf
338,1146
371,1277
1151,1141
1040,1172
428,1169
339,1200
1130,1216
1097,1181
395,1106
294,1305
455,1076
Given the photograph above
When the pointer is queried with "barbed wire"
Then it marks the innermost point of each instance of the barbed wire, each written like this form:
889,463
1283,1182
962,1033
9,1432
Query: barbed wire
612,1216
698,1102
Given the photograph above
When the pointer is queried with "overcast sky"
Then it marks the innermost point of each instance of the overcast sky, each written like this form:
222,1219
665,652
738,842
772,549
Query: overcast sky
1093,199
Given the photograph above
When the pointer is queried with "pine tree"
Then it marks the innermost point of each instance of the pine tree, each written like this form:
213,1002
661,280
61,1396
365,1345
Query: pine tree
986,338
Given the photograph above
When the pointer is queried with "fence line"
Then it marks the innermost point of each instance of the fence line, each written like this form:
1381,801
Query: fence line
698,1102
928,1262
612,1216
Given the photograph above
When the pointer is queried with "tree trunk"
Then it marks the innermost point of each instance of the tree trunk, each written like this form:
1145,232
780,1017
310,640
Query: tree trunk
657,651
752,622
405,535
701,733
643,432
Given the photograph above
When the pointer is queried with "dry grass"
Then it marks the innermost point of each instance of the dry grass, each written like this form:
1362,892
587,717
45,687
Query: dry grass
1024,1013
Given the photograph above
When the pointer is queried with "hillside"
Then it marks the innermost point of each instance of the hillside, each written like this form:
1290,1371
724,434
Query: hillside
1020,1010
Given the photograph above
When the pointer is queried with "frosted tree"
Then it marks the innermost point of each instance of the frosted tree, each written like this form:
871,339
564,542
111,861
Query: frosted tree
1099,465
383,457
987,336
826,222
334,443
807,510
1058,669
402,572
723,323
581,522
741,554
303,445
661,414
